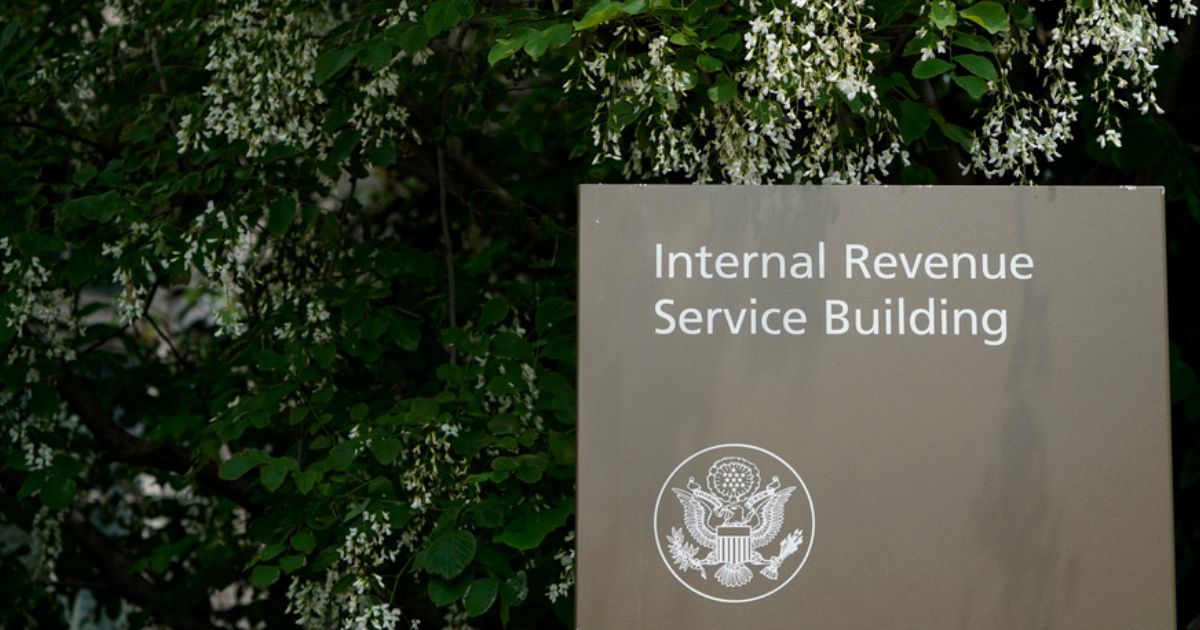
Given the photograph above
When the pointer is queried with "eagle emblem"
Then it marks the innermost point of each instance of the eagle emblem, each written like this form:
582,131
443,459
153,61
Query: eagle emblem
733,519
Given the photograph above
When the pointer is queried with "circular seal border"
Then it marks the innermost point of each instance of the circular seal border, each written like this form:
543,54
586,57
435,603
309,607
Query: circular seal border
811,533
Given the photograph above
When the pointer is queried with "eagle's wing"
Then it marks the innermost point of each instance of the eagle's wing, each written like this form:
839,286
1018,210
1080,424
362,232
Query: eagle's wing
770,518
695,517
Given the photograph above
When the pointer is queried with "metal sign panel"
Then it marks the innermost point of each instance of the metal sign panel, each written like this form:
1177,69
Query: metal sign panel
873,407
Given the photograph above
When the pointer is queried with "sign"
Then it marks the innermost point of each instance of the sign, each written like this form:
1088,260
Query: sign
873,407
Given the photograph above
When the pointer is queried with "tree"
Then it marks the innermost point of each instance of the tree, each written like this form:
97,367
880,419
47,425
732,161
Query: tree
288,286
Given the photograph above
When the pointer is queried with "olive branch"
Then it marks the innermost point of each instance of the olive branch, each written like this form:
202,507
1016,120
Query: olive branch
683,553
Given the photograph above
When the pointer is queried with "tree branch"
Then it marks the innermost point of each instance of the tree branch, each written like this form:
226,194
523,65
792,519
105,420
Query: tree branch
114,566
456,37
483,180
99,148
120,446
112,562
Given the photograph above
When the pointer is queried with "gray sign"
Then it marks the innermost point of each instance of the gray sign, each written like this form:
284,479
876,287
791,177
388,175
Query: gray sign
877,407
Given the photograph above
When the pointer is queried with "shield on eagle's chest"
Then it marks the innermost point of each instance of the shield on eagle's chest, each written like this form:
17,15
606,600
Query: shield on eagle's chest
733,545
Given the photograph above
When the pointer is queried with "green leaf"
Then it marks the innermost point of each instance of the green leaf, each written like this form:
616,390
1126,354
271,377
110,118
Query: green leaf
481,595
988,14
551,311
622,113
723,91
914,120
599,13
355,511
634,7
728,42
276,471
33,482
344,145
507,344
942,15
84,174
978,66
269,552
242,463
709,63
405,332
264,576
306,480
446,14
99,208
918,45
375,326
527,530
342,455
280,215
535,43
384,155
324,354
973,86
330,62
446,592
971,41
58,491
488,513
954,132
493,313
304,542
562,448
376,55
354,309
44,400
505,423
503,49
327,557
450,553
1022,16
10,31
270,361
531,467
929,68
412,38
291,564
557,35
385,450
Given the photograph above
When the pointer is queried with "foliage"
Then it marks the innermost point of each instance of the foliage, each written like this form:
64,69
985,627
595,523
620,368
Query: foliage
287,295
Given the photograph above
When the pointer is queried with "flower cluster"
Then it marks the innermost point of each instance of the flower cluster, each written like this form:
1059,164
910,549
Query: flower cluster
566,579
224,262
378,114
806,68
46,545
317,604
1019,132
129,254
1122,38
263,89
32,308
800,105
809,65
428,462
629,84
1119,38
31,432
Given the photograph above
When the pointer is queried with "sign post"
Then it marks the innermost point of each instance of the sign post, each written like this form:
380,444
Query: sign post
965,387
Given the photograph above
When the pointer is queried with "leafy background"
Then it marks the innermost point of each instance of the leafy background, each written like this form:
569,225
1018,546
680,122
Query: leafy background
287,302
